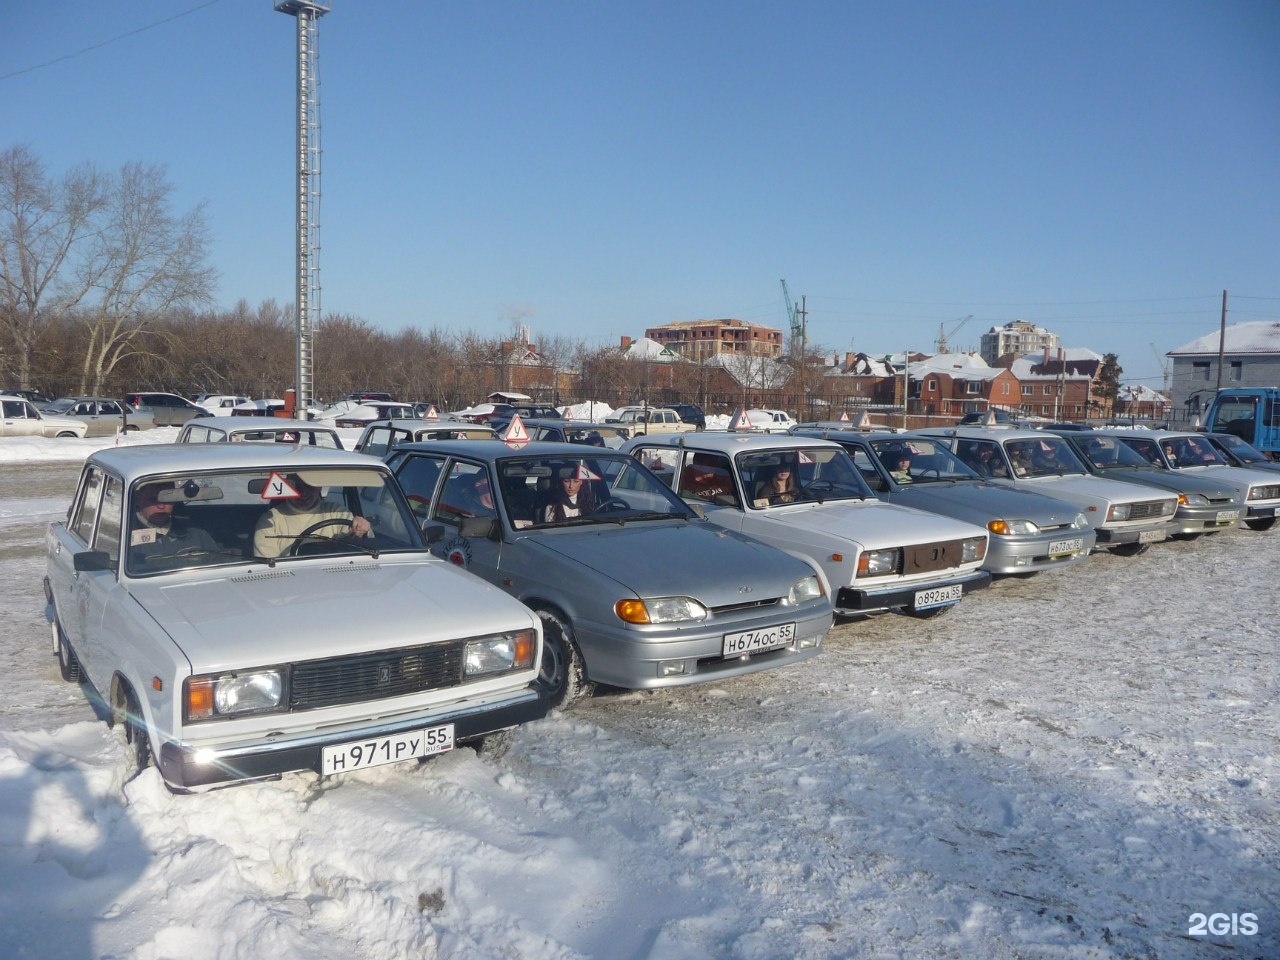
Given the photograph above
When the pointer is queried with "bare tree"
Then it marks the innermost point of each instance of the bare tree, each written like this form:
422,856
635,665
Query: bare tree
144,264
42,226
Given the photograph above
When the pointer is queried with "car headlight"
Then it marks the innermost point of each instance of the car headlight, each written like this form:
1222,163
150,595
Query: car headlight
1192,500
233,694
1118,511
1264,493
1012,528
660,610
498,654
876,563
809,588
975,548
1081,522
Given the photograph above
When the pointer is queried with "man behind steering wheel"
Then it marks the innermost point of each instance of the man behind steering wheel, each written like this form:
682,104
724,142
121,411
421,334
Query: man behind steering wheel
283,525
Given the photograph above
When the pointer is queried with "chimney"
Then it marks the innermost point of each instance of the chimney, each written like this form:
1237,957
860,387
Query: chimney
848,359
626,342
1046,354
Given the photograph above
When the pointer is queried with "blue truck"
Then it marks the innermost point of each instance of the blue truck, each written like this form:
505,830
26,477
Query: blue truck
1250,413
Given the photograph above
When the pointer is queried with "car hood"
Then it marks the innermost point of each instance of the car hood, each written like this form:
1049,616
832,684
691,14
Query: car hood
872,523
1088,490
713,565
979,502
1171,480
314,609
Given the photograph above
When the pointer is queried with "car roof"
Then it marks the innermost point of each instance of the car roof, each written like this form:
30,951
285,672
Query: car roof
1149,434
259,423
414,423
491,450
571,424
984,433
732,443
157,458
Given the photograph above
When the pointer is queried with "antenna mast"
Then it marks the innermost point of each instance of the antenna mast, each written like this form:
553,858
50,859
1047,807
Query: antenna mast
307,13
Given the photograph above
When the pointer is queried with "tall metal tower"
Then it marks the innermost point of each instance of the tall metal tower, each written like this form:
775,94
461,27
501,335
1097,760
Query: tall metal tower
307,14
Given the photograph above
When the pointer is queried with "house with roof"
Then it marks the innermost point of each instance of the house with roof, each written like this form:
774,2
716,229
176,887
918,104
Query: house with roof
1062,387
953,384
1140,402
1250,357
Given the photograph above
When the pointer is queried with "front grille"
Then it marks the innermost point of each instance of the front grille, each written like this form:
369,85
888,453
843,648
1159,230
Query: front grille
1147,509
927,557
750,605
375,676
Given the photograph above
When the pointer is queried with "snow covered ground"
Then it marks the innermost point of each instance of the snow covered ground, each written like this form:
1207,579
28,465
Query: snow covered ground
1068,766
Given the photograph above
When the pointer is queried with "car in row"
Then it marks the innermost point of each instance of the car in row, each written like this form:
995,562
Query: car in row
19,417
103,416
235,429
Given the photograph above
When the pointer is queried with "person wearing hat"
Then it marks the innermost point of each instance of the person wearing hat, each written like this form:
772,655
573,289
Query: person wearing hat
156,540
571,497
281,526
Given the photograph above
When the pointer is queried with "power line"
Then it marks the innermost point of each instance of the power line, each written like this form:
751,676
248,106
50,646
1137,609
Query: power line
104,43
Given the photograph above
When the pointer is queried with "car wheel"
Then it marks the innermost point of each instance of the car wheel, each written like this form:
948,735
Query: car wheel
562,673
68,665
126,713
67,433
1130,549
130,428
1264,523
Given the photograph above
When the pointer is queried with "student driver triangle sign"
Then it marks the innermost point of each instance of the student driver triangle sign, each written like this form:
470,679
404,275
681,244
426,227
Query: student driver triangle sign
516,436
278,488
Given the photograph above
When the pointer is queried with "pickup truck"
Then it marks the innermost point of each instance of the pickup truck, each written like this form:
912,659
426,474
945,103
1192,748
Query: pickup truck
652,420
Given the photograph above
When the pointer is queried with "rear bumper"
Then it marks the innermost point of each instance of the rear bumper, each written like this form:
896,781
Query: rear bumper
186,766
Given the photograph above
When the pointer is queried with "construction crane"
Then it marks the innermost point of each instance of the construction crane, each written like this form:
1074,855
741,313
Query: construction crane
796,317
943,336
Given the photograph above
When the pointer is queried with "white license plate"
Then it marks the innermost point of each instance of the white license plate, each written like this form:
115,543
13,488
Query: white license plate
1225,515
376,751
753,641
1062,548
1152,536
937,597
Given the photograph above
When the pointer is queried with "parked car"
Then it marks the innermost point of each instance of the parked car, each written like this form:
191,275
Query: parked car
1205,505
611,435
102,415
762,420
1241,453
339,654
646,420
381,436
370,396
634,589
35,396
236,429
537,411
691,413
367,412
20,418
874,556
1126,519
992,418
168,409
1192,453
218,404
1029,532
482,412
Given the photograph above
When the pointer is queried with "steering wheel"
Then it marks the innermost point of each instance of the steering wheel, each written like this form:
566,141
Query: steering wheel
315,528
821,486
611,505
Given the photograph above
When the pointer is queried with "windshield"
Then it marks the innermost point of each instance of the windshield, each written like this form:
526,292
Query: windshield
59,406
550,491
918,460
1240,448
1191,452
215,519
1107,453
1047,456
800,475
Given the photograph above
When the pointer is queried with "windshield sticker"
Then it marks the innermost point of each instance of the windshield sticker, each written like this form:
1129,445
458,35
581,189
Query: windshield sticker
278,488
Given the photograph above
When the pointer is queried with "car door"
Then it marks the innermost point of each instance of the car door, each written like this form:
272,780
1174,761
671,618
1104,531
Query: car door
90,411
17,420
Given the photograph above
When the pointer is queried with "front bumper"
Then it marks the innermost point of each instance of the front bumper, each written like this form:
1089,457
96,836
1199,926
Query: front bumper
186,766
670,655
851,601
1119,536
1205,519
1032,554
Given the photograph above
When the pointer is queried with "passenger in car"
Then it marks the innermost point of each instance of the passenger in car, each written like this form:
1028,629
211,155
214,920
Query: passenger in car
570,497
778,485
159,542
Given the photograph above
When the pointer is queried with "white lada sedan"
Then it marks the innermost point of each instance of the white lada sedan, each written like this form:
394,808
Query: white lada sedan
805,496
245,610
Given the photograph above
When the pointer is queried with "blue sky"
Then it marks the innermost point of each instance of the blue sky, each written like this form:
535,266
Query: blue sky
1103,169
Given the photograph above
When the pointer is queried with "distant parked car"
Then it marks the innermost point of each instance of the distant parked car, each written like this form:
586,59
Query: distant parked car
874,556
691,413
368,411
650,420
367,396
763,420
611,435
22,419
168,409
1029,532
103,415
35,396
1125,517
340,653
978,418
219,404
482,412
1241,453
259,430
634,589
536,411
382,436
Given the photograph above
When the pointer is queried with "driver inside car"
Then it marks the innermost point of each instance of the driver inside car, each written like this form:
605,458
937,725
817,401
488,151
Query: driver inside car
283,524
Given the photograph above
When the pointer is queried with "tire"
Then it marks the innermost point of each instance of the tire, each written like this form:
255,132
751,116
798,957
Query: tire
1130,549
562,673
126,713
68,664
1263,523
130,428
67,433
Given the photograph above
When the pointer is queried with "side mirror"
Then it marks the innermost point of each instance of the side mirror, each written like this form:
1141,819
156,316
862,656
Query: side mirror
433,532
93,560
697,507
481,528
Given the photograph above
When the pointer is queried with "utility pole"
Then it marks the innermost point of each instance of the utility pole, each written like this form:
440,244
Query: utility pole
1222,340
